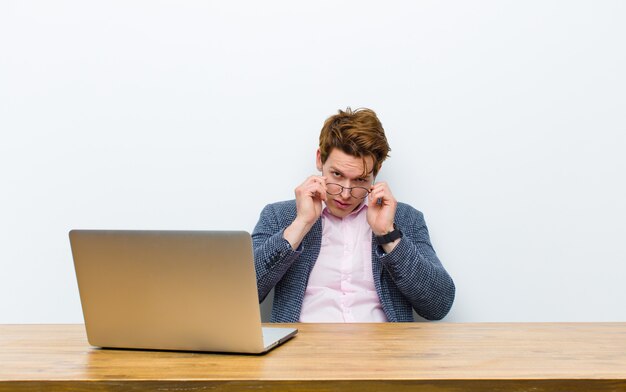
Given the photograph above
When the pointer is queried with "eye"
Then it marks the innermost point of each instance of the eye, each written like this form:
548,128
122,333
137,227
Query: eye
336,174
361,180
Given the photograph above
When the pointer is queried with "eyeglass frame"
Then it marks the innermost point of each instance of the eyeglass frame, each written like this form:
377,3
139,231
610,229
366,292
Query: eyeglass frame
349,190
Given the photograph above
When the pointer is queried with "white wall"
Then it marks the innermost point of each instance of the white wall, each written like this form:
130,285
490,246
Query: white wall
506,121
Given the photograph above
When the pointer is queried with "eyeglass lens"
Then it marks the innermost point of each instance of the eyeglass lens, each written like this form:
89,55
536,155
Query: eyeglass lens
357,192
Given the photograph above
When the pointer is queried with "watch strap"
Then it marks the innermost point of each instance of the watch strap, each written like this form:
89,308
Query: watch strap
389,237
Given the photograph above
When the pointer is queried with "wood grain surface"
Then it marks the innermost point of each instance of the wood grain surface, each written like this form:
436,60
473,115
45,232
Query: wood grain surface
388,356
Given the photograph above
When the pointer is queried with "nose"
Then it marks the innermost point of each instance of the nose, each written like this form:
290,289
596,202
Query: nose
345,193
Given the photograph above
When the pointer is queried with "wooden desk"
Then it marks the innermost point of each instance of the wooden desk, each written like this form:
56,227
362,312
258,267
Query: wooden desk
325,357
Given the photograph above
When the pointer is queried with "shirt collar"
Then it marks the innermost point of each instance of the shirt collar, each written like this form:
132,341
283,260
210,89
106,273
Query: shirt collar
326,212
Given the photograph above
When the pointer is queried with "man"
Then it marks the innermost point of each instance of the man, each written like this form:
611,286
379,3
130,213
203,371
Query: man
345,250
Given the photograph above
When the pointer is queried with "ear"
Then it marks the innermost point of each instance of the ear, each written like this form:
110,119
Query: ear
318,160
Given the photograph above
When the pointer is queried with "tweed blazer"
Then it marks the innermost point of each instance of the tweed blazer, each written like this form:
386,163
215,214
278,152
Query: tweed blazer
409,277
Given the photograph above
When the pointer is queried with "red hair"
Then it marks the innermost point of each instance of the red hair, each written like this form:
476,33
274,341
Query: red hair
358,133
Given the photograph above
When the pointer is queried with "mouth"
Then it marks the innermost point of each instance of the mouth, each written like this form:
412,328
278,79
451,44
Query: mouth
341,205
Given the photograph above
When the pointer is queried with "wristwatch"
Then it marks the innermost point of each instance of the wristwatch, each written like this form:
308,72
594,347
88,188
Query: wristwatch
389,237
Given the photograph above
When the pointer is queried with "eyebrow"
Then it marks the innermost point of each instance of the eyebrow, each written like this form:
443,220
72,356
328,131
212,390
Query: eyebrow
356,178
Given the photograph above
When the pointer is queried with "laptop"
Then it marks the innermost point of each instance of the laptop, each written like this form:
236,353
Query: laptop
171,290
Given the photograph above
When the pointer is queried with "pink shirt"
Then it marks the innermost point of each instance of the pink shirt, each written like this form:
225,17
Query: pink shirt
341,284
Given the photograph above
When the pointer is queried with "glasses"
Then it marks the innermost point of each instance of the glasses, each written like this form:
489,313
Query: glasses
357,192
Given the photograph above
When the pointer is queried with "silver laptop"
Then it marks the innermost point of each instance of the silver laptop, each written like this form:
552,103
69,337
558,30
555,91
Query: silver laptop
171,290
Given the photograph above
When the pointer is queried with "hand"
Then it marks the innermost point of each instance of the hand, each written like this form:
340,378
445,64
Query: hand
380,216
309,197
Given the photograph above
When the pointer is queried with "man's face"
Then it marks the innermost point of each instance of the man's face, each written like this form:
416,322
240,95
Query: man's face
345,170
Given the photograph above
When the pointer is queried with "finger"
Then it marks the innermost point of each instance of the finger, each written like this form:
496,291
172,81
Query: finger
317,180
377,193
379,198
374,201
316,190
381,191
379,186
312,180
310,187
320,180
370,197
322,191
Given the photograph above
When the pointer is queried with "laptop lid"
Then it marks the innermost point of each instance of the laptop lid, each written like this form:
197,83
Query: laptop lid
170,290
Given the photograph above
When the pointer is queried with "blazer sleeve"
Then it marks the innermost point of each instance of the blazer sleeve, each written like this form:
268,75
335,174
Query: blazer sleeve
273,254
416,270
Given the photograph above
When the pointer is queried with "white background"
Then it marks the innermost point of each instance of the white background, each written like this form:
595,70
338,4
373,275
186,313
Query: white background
506,121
